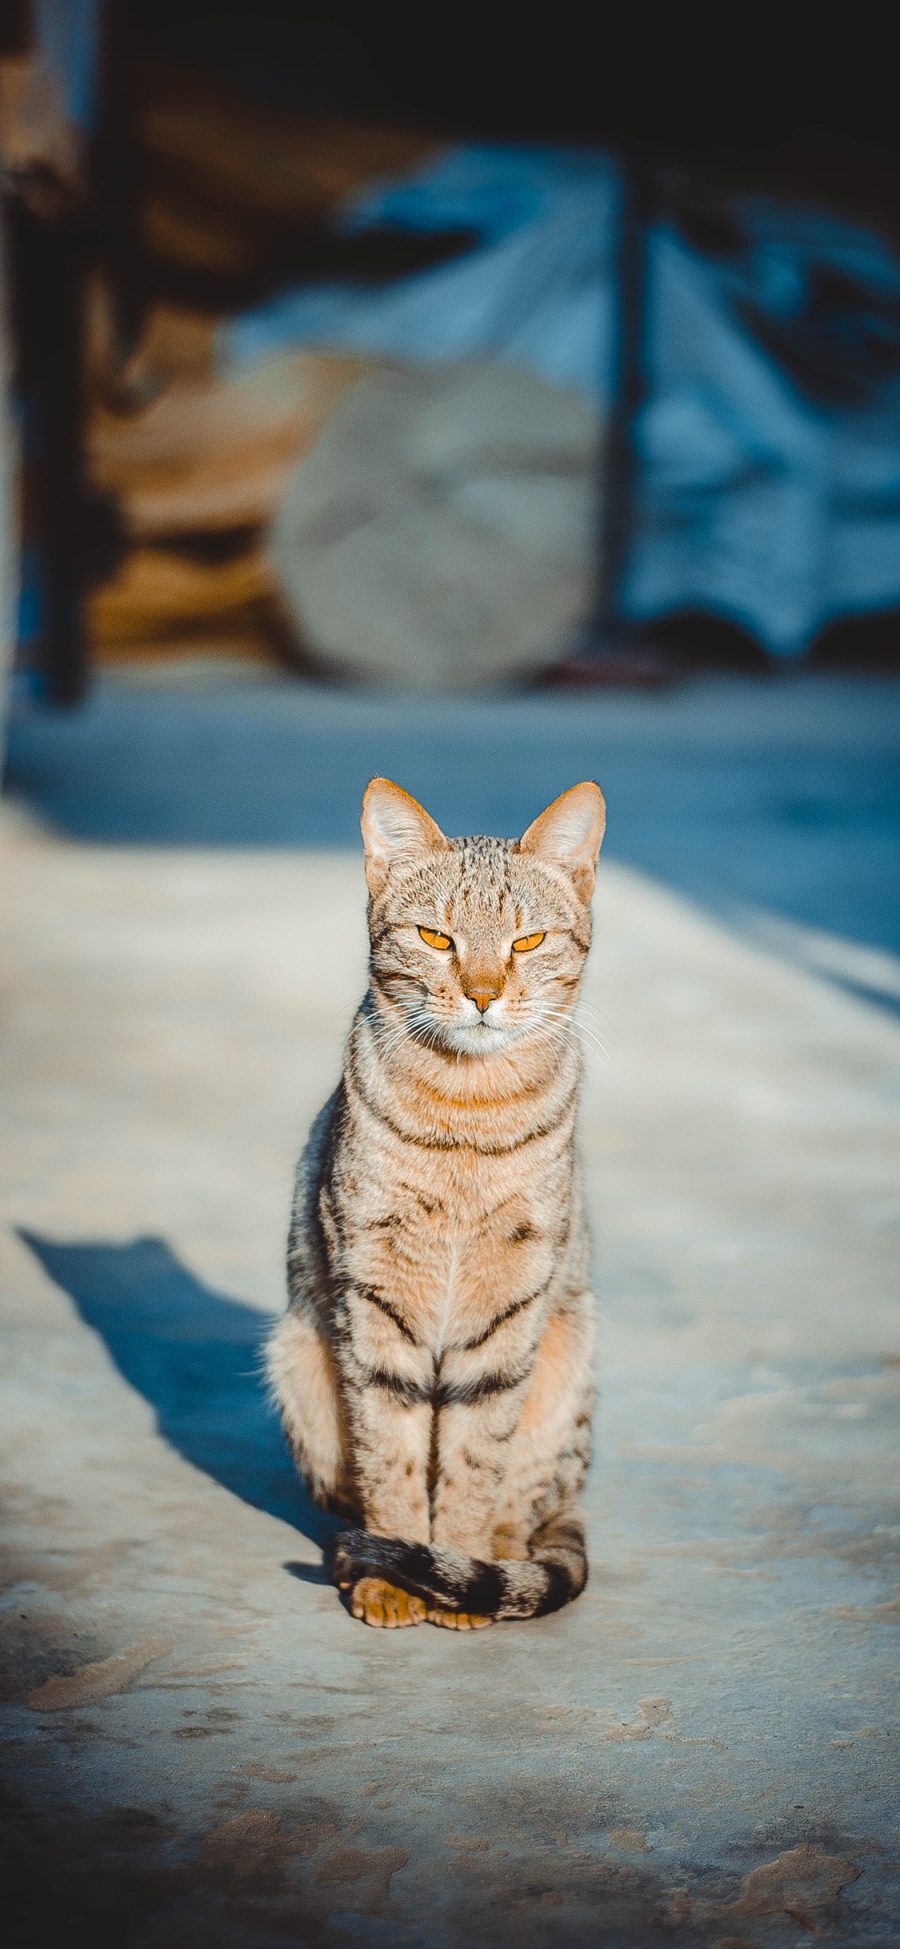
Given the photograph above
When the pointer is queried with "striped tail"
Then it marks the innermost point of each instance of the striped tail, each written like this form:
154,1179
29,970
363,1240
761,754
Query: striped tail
552,1575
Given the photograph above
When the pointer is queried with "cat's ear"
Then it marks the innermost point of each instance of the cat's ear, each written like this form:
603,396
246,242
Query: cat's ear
394,827
570,834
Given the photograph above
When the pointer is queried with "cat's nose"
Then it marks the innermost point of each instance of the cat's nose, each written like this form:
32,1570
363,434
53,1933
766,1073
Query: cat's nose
482,997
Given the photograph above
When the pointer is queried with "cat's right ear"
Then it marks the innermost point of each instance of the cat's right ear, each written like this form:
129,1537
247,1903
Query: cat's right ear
394,827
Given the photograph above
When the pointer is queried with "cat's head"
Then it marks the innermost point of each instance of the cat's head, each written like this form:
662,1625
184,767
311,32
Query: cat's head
479,941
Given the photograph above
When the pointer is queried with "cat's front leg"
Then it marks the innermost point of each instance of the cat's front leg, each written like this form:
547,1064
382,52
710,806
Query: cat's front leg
473,1445
473,1442
484,1384
388,1379
390,1441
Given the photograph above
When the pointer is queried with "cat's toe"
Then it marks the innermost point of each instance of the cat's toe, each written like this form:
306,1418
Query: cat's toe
459,1620
382,1604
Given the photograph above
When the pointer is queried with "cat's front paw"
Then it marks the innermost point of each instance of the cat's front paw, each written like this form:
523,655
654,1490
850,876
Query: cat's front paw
375,1602
357,1566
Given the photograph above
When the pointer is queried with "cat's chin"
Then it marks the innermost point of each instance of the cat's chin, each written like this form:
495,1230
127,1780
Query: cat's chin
479,1039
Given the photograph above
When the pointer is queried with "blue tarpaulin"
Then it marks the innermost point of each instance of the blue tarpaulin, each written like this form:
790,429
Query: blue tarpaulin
769,444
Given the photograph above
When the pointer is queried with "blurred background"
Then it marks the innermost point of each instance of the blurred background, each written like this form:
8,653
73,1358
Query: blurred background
293,297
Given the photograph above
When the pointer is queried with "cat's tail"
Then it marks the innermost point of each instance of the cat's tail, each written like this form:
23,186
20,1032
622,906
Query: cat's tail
554,1572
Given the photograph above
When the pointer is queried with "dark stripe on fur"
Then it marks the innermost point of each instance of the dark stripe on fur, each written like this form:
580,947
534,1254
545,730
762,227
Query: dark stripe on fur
465,1394
429,1205
411,1393
438,1393
508,1313
375,1298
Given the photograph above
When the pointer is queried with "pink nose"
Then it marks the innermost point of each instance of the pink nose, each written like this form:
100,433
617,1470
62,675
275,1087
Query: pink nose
482,997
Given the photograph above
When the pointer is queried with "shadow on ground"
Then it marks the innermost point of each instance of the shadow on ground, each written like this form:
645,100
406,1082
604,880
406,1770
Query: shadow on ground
195,1355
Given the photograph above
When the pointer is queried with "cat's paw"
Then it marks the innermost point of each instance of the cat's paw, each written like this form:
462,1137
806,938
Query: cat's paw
375,1602
459,1620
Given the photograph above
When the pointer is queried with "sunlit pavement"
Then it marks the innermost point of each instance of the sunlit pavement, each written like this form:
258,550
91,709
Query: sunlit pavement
202,1747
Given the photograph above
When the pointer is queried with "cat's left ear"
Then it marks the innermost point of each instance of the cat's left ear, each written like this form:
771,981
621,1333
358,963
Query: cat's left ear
394,827
570,833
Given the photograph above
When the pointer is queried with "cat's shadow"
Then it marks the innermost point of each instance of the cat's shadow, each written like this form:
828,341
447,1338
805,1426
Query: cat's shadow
195,1355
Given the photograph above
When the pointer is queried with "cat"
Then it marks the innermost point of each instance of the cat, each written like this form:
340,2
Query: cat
434,1366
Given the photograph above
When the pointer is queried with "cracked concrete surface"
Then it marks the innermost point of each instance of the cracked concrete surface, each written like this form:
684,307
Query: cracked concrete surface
201,1747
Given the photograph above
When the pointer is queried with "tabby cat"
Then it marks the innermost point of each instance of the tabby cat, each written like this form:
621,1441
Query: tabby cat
433,1368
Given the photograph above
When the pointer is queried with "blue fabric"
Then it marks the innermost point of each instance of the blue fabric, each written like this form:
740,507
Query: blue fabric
769,477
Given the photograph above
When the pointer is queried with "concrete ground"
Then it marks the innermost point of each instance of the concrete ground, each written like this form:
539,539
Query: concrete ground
202,1748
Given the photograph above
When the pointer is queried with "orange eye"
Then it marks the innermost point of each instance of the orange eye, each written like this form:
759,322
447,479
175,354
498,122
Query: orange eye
527,942
434,939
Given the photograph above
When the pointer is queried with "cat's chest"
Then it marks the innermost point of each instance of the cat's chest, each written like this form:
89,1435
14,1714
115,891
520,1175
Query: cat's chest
444,1264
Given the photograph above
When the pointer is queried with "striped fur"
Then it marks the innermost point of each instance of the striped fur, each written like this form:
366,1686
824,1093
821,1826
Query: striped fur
433,1368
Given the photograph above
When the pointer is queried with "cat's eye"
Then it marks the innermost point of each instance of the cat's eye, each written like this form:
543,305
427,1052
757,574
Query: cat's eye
526,942
434,939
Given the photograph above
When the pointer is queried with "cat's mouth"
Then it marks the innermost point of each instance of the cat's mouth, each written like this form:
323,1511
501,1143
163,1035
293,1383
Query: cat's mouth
478,1038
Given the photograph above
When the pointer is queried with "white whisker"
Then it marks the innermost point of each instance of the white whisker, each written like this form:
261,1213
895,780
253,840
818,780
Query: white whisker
569,1025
